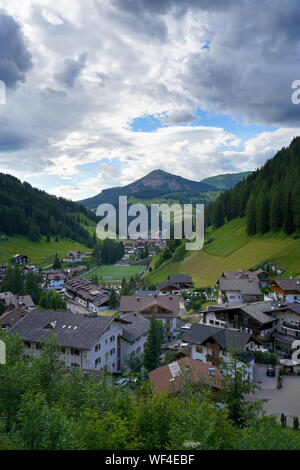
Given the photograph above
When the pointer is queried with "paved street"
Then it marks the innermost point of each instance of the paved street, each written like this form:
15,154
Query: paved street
285,400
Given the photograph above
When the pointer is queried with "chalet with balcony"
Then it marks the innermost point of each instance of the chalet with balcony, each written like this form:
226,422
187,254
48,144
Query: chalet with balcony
287,327
175,284
73,257
255,318
286,289
164,308
259,275
238,290
20,259
211,345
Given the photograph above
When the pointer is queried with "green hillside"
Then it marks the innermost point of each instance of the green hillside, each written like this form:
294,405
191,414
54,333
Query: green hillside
226,181
40,253
229,248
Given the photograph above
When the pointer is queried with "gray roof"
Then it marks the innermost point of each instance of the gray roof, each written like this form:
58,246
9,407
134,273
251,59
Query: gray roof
244,286
17,300
286,285
225,337
259,311
137,327
180,278
72,329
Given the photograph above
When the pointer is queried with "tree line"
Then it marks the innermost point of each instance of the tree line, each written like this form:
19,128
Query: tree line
45,408
269,198
28,211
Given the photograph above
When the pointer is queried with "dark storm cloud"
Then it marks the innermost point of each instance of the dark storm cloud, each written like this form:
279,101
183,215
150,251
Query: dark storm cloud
250,66
71,70
15,59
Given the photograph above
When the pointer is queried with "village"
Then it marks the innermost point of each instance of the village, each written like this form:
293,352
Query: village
103,327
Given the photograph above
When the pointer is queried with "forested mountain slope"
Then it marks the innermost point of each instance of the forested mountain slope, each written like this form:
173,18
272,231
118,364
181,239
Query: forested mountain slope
269,197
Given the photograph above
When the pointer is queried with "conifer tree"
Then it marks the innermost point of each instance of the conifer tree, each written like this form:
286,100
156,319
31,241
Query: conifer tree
288,223
251,216
56,263
276,215
152,348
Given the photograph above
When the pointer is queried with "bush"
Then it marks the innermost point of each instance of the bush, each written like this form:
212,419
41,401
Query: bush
265,358
295,422
283,419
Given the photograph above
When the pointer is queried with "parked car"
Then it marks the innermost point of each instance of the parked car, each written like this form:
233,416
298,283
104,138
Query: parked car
271,371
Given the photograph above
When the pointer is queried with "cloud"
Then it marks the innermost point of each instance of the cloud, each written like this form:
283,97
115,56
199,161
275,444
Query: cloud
102,64
71,70
15,58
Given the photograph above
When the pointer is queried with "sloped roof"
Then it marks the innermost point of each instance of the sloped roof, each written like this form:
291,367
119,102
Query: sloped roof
132,303
244,286
225,337
288,284
259,311
72,329
170,377
136,327
11,317
186,278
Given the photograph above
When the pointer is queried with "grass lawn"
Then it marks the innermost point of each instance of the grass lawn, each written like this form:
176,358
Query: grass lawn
107,313
40,253
116,273
230,249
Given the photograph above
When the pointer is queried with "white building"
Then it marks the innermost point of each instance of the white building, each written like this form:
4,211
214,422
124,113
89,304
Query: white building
239,290
212,345
91,343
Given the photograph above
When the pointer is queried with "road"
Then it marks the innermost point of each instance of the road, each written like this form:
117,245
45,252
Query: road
284,400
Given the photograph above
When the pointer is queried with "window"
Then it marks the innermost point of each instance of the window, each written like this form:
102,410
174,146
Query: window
75,352
97,347
112,338
75,364
27,344
138,350
199,349
97,361
38,346
112,351
106,341
63,350
106,356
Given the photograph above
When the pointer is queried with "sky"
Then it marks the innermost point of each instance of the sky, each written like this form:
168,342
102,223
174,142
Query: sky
101,92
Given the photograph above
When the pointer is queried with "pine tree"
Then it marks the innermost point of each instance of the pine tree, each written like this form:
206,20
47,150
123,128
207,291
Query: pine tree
251,216
113,301
152,348
56,263
262,213
288,222
276,215
32,286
